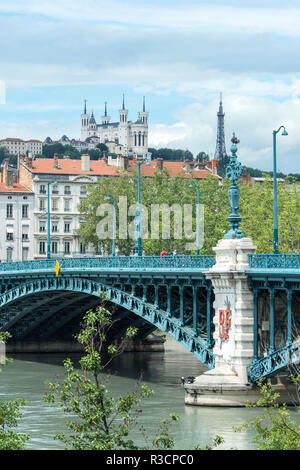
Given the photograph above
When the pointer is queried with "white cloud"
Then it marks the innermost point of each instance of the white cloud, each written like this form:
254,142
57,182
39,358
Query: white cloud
252,119
200,15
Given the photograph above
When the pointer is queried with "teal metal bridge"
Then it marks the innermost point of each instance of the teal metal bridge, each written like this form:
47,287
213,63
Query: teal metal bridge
275,282
169,293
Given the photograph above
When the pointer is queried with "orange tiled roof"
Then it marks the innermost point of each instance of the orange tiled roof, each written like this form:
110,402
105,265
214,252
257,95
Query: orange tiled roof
16,187
67,166
11,139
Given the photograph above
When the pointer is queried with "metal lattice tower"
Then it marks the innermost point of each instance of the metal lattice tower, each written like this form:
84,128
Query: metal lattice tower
220,152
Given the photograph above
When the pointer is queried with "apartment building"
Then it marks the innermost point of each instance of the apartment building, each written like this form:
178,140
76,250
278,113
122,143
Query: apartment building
16,215
19,146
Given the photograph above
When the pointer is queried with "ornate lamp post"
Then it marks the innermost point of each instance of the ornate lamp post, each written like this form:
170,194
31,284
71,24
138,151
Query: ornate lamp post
198,215
275,216
138,217
234,170
109,197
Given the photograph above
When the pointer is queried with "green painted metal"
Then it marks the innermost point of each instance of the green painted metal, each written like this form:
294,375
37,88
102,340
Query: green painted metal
118,263
233,171
114,224
145,310
279,261
274,361
275,215
197,186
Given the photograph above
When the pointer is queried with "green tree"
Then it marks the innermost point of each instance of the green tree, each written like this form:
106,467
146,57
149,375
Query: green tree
274,428
159,190
101,422
256,209
9,416
201,156
61,150
171,154
256,205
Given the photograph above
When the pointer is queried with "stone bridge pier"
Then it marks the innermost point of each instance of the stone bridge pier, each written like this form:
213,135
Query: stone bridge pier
227,383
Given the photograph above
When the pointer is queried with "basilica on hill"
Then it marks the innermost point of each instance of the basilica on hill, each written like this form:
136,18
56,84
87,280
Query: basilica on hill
130,136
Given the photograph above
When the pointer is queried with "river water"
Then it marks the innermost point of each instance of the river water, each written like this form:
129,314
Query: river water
25,377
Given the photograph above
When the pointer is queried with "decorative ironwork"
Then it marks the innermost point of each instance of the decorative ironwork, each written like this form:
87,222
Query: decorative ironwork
136,305
275,361
289,261
144,263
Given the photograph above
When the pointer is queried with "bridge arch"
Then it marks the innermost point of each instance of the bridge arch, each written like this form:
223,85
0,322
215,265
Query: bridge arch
66,291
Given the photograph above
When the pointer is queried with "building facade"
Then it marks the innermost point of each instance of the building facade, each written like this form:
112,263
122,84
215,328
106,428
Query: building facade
19,146
16,215
67,180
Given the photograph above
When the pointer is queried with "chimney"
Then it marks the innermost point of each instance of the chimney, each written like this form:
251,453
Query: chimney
29,160
85,162
123,162
214,167
10,179
55,156
188,165
7,176
160,163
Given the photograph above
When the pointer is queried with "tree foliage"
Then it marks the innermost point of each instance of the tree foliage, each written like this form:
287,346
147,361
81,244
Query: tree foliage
9,416
171,154
274,428
256,209
101,421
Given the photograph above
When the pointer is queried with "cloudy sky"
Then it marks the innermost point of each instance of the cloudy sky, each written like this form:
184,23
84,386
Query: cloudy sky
180,54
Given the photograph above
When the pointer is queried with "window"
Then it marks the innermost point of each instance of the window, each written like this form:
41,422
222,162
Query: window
25,251
9,252
82,190
42,189
67,189
42,248
24,211
67,205
42,204
42,226
9,236
55,205
82,248
67,246
54,248
54,225
67,226
55,189
9,210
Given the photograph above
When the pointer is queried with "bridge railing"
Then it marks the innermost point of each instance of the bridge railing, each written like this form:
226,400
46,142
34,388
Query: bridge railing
289,261
201,262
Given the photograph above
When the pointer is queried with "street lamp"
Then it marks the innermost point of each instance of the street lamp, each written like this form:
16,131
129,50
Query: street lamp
192,185
108,198
48,216
138,244
275,216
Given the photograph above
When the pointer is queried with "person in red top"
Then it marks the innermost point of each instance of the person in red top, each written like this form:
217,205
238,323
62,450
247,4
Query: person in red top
163,253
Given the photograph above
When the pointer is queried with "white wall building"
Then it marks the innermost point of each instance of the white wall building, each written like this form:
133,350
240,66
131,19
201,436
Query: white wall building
19,146
16,215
